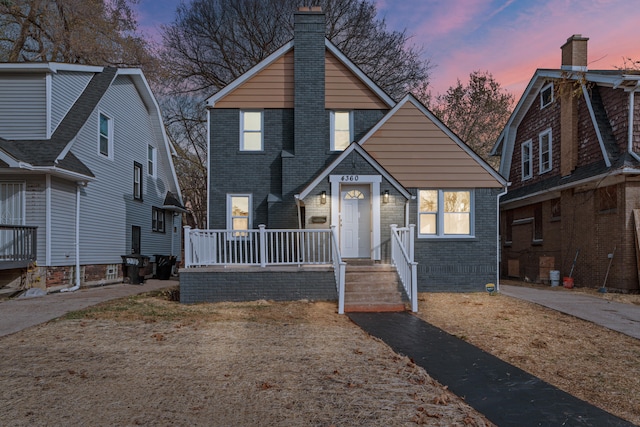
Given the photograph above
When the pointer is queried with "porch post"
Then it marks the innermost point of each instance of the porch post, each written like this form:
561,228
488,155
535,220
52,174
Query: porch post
187,246
414,269
263,245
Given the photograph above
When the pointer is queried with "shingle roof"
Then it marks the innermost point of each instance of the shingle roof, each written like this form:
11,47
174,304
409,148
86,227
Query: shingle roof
46,152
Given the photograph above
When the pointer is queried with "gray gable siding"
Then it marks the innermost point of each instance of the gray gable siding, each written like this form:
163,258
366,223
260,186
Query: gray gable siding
66,87
23,106
108,209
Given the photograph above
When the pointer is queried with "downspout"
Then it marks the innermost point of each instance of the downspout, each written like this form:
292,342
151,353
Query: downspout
297,197
630,124
77,285
498,237
406,210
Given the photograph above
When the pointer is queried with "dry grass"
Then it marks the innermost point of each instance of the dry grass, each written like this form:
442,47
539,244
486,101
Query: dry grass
591,362
147,361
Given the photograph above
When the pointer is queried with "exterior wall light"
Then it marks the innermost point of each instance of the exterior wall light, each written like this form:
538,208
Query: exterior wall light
323,197
385,196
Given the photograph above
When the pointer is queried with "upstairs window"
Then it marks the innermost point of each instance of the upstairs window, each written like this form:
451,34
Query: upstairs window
545,151
238,213
251,135
546,95
341,130
445,213
137,181
105,137
527,160
157,220
151,160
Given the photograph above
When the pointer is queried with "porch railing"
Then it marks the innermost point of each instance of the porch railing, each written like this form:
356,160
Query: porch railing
18,243
264,248
339,269
402,256
260,247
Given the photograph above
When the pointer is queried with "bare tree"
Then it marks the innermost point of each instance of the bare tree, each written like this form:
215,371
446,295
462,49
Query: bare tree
96,32
476,112
213,42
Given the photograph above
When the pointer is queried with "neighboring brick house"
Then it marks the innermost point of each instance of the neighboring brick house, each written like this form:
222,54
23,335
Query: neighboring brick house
86,175
570,152
305,140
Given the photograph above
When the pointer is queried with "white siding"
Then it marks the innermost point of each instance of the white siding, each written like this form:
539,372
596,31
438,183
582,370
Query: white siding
66,87
23,106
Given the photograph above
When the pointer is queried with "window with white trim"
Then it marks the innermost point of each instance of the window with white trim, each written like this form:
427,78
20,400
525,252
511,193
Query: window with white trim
341,130
12,203
546,95
238,213
137,181
527,160
157,220
105,136
445,213
545,151
151,160
251,135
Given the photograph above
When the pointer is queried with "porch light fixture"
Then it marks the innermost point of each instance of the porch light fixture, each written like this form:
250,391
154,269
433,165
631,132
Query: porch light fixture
323,197
385,196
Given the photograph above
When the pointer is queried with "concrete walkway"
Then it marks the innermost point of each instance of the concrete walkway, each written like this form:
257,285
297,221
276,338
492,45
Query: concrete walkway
624,318
21,313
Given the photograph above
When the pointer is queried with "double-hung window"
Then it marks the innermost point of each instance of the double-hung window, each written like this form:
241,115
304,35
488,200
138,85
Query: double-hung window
545,151
445,213
137,181
157,220
527,160
251,131
105,136
151,160
238,213
341,130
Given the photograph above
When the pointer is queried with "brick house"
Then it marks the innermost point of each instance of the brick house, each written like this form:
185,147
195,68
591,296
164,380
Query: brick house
570,150
306,142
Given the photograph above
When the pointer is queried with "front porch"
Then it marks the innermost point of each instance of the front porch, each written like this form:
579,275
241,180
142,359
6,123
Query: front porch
18,246
244,265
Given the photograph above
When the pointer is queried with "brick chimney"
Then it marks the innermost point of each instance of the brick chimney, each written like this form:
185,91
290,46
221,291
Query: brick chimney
574,53
310,120
574,59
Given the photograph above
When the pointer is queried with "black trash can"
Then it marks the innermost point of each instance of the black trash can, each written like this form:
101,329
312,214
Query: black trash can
133,267
164,264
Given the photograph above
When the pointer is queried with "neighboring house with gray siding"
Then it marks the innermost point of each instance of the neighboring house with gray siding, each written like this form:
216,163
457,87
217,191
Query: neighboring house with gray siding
86,175
306,141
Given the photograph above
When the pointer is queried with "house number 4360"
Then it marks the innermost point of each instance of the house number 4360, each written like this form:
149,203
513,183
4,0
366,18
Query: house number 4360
349,178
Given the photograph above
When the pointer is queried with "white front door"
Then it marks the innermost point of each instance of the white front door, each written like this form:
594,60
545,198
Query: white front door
355,223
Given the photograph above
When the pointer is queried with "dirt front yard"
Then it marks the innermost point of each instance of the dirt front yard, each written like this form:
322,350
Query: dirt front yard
147,361
590,362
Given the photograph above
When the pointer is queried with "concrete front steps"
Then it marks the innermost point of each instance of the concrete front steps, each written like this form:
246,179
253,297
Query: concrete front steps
372,288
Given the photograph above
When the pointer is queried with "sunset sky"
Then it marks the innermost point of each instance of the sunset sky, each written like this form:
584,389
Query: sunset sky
509,38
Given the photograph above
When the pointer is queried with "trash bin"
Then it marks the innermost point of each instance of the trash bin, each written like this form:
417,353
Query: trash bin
164,264
133,267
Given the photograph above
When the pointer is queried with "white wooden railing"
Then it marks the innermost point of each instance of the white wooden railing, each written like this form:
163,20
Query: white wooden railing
265,247
402,256
339,269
